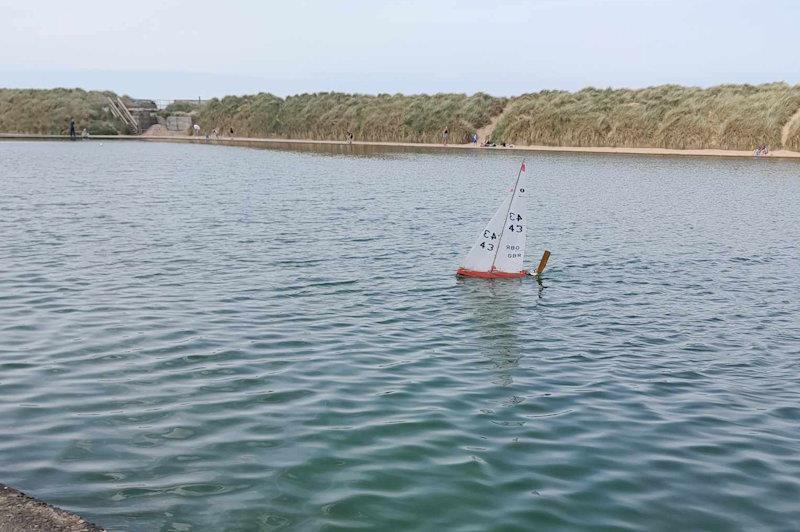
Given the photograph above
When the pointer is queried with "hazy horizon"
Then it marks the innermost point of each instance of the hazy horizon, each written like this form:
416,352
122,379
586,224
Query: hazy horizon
201,49
207,85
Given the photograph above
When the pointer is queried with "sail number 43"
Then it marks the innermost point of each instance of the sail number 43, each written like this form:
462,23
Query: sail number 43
488,246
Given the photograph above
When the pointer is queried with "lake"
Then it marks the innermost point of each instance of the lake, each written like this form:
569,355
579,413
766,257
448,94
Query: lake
219,338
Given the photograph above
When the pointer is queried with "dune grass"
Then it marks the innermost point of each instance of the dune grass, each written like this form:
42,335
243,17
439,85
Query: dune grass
330,115
669,116
48,112
736,117
249,116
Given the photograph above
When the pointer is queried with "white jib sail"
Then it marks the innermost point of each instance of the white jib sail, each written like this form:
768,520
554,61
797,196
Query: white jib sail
501,245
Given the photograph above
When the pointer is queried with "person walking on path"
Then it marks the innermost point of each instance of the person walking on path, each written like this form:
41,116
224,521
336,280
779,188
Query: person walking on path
72,135
196,129
445,136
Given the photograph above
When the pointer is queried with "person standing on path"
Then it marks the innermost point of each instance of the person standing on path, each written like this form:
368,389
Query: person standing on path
445,136
72,135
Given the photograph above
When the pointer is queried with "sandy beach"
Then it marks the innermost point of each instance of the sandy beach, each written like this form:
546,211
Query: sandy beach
245,141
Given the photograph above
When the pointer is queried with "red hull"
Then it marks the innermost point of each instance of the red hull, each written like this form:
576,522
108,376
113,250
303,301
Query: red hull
491,275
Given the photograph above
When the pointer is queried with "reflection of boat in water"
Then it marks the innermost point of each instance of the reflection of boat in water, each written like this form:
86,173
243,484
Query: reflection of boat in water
499,249
494,308
499,314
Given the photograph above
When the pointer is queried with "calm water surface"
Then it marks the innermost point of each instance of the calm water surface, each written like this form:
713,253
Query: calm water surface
217,338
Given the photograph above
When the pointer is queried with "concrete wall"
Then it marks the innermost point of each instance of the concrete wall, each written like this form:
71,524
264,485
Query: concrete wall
179,124
144,118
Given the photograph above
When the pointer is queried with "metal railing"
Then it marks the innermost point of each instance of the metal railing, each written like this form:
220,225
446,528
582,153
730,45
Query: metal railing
163,103
119,110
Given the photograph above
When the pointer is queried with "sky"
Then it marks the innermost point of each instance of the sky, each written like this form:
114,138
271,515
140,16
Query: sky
188,49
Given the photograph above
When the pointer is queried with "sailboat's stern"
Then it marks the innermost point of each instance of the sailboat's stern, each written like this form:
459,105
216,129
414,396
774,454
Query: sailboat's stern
494,274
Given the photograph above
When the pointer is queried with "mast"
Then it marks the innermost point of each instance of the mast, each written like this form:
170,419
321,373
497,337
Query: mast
505,220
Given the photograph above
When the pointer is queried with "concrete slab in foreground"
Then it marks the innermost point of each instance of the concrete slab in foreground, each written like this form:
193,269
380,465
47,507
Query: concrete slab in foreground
21,513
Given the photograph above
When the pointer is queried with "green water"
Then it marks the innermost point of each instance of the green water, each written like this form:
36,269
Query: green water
217,338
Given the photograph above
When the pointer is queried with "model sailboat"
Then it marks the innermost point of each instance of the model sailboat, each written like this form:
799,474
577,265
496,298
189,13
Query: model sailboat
499,249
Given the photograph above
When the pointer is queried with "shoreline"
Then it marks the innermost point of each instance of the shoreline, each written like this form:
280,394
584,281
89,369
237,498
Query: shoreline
250,141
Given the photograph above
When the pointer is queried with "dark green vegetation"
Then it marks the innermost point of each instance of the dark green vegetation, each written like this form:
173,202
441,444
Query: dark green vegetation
330,115
47,112
735,117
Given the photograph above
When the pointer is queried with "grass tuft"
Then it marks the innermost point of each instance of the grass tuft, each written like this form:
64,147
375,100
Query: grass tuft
330,115
48,112
733,117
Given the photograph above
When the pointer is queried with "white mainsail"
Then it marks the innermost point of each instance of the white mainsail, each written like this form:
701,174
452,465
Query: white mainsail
500,247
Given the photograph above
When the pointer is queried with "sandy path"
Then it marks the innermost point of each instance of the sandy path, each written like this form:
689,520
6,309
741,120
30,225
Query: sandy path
787,127
157,130
488,129
247,141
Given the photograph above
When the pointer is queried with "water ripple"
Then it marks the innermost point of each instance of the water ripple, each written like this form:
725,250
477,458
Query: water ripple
196,337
